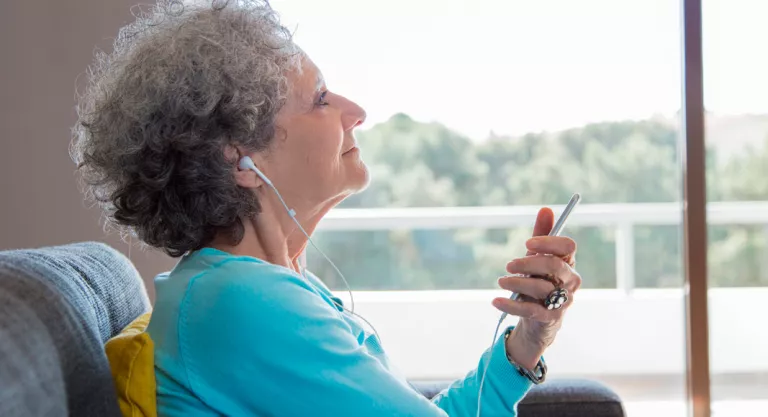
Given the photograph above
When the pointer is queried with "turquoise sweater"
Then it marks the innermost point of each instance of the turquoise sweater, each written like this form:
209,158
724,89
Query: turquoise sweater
238,336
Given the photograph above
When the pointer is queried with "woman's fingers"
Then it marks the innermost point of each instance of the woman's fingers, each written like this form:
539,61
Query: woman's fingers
539,265
529,310
551,245
544,265
532,287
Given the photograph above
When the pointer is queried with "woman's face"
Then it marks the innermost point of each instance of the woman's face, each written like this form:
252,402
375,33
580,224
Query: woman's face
314,158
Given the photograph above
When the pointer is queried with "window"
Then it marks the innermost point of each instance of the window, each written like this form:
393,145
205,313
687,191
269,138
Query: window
482,111
736,101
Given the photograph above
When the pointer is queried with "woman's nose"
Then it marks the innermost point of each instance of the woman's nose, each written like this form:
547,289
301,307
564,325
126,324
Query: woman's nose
353,115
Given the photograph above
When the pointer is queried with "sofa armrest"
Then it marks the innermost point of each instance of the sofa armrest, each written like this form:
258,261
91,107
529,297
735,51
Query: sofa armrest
58,306
557,397
571,398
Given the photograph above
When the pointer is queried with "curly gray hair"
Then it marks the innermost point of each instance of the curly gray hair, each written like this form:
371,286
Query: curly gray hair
184,81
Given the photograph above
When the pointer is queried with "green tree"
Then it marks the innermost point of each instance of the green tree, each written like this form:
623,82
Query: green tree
417,164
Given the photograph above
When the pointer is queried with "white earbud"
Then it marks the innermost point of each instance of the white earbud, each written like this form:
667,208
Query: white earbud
247,163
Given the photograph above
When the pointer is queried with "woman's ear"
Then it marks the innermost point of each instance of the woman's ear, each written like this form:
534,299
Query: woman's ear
245,178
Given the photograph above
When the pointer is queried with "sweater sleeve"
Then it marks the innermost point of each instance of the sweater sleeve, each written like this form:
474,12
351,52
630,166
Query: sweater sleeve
270,345
503,388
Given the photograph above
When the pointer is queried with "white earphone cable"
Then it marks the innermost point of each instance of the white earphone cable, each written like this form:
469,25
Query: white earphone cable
292,213
247,163
485,368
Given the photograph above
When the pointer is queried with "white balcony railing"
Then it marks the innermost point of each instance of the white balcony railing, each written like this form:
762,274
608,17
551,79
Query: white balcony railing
624,331
622,217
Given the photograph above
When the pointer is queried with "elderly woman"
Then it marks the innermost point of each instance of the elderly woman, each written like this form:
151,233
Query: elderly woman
239,327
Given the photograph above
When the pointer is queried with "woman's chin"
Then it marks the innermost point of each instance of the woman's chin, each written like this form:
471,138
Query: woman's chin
358,177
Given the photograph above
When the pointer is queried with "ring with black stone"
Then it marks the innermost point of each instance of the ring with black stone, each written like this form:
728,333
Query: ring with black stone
556,299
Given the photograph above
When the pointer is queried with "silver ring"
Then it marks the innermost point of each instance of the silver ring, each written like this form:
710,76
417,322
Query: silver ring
556,299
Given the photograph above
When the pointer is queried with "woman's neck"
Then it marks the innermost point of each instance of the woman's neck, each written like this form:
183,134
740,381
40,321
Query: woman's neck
274,237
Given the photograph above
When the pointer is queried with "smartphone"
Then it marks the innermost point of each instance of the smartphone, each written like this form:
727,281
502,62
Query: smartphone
557,228
560,223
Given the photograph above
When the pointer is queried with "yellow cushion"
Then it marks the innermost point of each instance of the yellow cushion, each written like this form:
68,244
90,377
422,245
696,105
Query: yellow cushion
131,358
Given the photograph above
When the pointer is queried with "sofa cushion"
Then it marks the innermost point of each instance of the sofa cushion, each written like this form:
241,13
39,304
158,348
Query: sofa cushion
31,380
63,303
131,359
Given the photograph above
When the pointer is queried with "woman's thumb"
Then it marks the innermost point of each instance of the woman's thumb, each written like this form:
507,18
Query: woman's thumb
545,220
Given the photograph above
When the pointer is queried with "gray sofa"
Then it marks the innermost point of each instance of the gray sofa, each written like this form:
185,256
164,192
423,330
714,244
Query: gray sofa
58,306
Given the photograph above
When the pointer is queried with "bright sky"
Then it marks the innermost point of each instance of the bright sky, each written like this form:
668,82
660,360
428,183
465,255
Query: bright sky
515,66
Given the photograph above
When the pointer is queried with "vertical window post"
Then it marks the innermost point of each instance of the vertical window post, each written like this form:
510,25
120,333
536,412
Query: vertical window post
695,212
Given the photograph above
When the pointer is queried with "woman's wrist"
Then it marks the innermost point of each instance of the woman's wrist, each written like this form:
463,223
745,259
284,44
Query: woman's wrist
523,352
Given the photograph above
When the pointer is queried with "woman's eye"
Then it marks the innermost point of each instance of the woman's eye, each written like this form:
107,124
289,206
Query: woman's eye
321,100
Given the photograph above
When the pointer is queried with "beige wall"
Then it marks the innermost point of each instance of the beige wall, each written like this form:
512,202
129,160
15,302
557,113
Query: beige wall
44,47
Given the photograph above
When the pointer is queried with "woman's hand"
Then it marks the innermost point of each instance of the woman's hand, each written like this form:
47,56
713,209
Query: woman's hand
551,260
